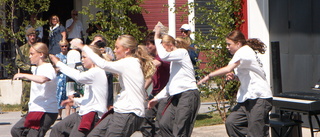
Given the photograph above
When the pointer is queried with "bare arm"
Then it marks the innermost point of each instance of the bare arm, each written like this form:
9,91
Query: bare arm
219,72
70,28
157,34
64,35
147,84
157,63
34,78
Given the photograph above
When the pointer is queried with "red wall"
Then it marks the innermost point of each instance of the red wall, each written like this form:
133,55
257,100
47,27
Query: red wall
158,11
244,26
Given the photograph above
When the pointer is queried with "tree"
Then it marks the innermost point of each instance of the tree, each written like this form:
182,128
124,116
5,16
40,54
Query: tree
115,18
14,15
224,17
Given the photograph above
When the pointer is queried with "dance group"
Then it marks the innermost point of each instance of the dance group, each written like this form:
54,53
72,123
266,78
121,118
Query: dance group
169,110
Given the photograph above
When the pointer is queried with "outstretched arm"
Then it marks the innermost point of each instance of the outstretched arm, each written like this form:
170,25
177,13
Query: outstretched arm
219,72
34,78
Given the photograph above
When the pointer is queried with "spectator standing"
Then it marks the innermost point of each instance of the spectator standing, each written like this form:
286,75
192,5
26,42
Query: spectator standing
193,53
93,27
43,109
251,114
180,115
61,85
92,104
57,32
150,126
74,26
23,63
33,24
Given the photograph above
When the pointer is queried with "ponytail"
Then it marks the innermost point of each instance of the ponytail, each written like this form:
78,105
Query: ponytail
183,43
256,45
148,68
138,51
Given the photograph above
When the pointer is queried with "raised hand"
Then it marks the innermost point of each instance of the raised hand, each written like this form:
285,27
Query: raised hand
54,59
77,43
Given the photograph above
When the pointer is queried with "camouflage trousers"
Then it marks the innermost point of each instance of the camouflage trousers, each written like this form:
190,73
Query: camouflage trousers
25,96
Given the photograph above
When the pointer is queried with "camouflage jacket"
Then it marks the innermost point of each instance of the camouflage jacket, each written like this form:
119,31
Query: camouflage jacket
23,63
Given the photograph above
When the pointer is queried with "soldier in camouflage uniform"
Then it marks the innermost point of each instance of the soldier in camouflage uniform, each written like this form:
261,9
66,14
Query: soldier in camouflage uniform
23,64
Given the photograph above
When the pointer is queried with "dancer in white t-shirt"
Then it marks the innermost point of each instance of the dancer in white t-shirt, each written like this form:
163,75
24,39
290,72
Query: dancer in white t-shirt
133,66
250,116
184,98
92,105
73,58
43,108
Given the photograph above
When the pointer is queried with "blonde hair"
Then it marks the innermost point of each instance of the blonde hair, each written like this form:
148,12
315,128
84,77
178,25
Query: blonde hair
63,42
54,16
139,52
41,48
96,50
178,42
168,40
182,43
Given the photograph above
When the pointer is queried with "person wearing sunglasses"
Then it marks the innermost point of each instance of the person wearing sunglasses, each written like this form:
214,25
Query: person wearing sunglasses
192,51
62,78
74,26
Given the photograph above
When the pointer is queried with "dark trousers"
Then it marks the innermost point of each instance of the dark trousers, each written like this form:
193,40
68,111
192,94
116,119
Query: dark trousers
117,125
249,118
69,127
18,130
179,117
150,125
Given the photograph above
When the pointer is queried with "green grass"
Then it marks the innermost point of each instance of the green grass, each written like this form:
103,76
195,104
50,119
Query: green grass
208,119
208,98
8,107
205,119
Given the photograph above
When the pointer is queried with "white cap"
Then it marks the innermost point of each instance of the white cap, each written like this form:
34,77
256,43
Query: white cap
185,27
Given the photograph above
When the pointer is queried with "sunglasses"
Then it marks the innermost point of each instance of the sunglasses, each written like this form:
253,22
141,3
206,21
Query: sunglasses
184,31
64,46
75,14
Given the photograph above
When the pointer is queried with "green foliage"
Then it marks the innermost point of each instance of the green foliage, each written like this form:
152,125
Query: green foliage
224,17
9,108
13,11
114,18
9,68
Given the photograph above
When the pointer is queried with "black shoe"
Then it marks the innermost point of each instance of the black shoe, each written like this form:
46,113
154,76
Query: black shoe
58,119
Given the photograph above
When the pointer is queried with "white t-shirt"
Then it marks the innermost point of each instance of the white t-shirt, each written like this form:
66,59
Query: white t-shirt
73,57
182,75
251,75
76,31
43,96
95,91
131,98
